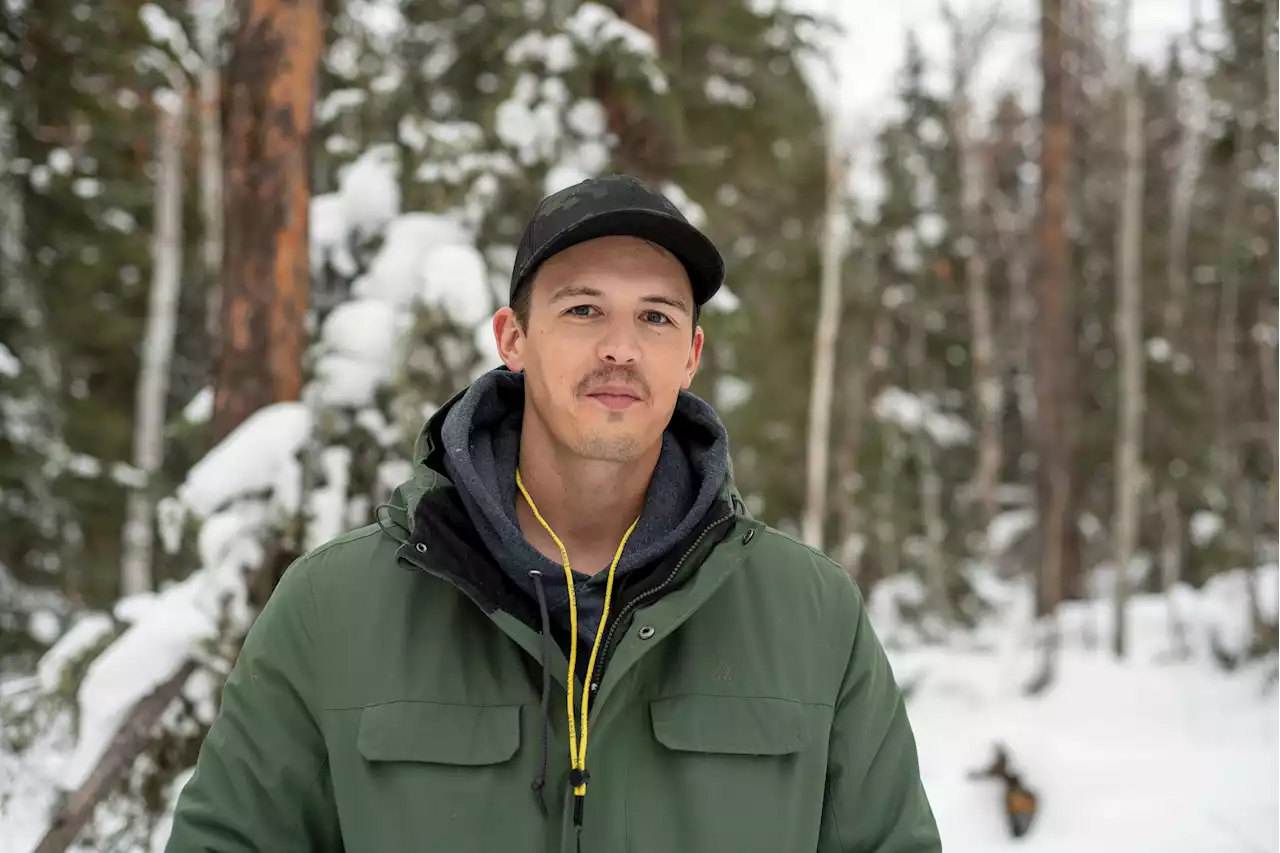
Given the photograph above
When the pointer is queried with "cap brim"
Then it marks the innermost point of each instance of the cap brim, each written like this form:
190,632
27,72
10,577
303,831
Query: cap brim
701,259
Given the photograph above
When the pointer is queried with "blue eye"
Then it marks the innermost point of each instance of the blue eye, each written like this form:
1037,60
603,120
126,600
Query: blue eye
657,317
580,310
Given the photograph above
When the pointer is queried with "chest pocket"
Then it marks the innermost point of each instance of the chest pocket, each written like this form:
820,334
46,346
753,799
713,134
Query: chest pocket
435,733
731,773
444,777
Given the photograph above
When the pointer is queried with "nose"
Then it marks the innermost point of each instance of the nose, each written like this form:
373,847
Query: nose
619,344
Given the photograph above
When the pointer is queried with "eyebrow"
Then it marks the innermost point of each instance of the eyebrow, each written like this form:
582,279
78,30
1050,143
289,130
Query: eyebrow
570,291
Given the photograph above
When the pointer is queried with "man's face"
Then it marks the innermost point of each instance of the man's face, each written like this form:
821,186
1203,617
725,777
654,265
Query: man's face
607,348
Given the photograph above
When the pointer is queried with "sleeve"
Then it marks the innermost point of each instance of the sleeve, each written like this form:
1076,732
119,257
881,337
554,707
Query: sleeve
875,799
261,780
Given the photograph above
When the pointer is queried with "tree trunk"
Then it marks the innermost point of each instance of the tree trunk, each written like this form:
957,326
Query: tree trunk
209,23
861,377
824,352
935,568
968,45
271,83
157,348
644,148
1266,353
1224,452
1171,569
1128,466
1054,339
1267,367
1010,229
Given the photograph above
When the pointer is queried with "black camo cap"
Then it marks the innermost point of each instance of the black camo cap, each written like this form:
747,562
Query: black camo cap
616,205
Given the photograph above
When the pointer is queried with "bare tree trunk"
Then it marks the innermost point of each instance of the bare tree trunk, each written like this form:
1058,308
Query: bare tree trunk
1021,306
1223,452
1171,568
1055,343
271,84
968,47
930,482
157,347
1266,353
1267,368
1128,473
887,537
209,16
824,351
861,376
1183,192
1054,351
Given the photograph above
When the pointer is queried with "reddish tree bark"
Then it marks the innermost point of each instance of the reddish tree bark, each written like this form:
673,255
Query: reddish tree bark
1055,373
270,93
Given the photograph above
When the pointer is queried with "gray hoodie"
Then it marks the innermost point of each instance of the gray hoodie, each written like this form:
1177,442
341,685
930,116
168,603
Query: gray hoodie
481,437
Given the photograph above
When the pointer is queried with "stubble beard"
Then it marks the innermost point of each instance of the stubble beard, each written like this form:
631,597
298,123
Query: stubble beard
604,446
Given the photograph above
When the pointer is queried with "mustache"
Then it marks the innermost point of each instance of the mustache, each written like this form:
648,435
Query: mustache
617,375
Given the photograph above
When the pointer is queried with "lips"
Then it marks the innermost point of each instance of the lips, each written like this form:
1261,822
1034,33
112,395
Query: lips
615,397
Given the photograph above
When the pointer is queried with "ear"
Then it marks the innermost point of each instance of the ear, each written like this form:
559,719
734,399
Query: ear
695,357
510,339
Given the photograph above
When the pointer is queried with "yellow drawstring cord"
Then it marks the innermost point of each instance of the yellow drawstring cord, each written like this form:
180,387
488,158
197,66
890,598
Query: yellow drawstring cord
578,752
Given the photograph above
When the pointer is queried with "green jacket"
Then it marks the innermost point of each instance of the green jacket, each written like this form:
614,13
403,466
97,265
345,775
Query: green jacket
390,698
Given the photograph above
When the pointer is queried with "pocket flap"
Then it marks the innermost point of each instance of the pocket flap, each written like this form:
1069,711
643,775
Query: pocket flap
438,733
730,724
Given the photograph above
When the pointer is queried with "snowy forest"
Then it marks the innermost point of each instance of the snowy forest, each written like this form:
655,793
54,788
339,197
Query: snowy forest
1006,350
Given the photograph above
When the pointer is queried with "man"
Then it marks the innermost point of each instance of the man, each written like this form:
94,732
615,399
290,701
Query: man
567,633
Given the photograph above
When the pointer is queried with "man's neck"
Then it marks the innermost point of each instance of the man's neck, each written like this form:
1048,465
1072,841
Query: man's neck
589,504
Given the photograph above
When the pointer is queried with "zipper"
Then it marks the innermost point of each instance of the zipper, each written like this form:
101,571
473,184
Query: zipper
635,602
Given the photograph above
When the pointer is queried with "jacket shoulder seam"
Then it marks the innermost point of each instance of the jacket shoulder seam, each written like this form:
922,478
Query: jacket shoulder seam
344,539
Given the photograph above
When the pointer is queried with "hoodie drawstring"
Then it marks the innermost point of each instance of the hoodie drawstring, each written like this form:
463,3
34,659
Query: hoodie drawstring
578,751
391,527
541,779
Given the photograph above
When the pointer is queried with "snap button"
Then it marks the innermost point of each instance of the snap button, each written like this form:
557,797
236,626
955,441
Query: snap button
748,536
645,632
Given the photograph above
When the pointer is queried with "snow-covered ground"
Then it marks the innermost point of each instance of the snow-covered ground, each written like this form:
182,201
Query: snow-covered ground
1143,756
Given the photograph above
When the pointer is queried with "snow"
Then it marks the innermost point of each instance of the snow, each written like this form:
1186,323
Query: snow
251,459
9,364
1007,528
369,191
366,201
328,503
145,656
1144,755
1159,349
200,408
596,26
244,483
455,282
725,301
44,627
357,345
912,413
1205,527
85,633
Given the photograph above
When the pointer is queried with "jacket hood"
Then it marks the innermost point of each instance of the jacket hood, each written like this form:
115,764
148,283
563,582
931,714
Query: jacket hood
429,467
